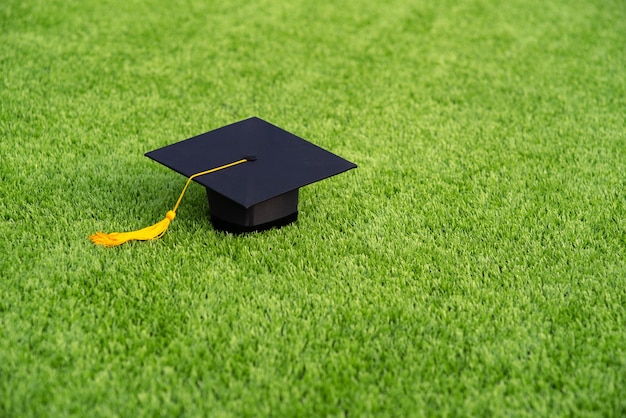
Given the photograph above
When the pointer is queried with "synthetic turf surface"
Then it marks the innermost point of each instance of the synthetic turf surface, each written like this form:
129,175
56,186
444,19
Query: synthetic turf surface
474,263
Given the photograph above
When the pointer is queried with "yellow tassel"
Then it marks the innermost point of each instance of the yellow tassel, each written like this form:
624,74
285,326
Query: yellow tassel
158,229
151,232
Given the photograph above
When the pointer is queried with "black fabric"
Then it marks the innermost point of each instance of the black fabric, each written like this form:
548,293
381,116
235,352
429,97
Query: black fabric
262,213
262,192
283,162
222,225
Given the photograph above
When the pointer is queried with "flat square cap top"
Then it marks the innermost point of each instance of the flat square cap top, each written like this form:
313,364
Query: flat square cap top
284,162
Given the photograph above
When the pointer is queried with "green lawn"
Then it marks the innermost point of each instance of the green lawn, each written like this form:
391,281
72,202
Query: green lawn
474,264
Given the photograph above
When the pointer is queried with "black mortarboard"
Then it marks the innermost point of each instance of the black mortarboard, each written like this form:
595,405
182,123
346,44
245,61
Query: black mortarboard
263,192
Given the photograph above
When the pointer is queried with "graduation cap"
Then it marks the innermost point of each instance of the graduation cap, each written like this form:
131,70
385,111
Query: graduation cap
252,171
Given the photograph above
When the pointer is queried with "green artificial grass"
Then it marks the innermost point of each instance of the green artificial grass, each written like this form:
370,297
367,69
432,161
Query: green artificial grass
473,265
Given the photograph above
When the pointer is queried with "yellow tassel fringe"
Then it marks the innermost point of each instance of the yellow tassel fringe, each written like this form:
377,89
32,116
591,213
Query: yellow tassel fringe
151,232
158,229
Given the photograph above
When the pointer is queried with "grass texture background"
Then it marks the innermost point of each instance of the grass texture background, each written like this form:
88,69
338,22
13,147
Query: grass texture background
474,263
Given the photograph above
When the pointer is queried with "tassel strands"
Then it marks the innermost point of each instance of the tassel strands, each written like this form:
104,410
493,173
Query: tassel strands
158,229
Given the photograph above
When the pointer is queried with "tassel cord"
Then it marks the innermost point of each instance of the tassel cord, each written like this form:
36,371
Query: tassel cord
157,230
